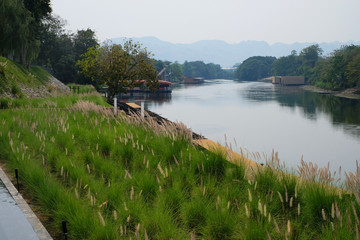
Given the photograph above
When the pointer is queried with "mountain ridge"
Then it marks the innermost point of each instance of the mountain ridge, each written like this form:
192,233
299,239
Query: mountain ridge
223,53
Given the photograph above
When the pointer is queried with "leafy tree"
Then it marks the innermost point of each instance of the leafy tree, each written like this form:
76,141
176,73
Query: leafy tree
342,70
83,40
309,56
176,72
208,71
353,69
287,66
52,28
119,67
59,50
19,22
38,8
254,68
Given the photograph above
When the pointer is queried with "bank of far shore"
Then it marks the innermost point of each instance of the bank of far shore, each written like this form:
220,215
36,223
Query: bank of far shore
352,93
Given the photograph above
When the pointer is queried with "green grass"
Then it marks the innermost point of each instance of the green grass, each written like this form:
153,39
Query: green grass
13,74
77,88
119,178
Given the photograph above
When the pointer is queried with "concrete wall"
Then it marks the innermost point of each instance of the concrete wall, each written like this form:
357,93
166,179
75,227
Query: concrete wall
292,80
275,80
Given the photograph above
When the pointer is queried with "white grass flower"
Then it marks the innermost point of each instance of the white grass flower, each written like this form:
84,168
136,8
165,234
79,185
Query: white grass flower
281,198
247,211
260,207
323,214
250,196
288,226
102,221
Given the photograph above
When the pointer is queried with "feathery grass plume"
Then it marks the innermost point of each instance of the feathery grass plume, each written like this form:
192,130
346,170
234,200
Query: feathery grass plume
247,211
137,235
323,214
286,194
250,196
357,232
103,204
280,197
298,208
218,201
132,193
127,174
332,210
268,235
355,214
289,226
348,219
338,213
76,193
276,226
269,217
102,221
312,173
260,207
265,210
125,207
161,170
291,202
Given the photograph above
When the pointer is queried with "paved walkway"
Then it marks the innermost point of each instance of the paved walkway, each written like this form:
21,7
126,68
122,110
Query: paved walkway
17,220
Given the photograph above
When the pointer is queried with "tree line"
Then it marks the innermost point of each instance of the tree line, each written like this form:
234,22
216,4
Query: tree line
175,72
339,70
20,25
60,50
30,34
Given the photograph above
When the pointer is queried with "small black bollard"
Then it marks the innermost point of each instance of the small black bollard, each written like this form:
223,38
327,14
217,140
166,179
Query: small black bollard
64,229
17,179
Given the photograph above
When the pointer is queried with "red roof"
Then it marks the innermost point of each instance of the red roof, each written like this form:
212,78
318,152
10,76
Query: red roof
162,82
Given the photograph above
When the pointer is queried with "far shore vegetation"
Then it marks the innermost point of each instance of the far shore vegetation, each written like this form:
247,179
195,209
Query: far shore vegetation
338,71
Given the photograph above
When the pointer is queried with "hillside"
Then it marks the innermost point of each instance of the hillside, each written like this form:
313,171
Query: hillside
223,53
16,81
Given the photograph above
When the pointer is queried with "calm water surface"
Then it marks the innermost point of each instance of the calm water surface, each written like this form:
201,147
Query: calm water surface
262,117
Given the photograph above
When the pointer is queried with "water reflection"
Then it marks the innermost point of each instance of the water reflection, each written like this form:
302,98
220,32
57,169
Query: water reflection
262,117
343,112
157,99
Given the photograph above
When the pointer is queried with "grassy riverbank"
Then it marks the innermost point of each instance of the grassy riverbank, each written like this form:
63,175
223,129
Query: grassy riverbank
120,177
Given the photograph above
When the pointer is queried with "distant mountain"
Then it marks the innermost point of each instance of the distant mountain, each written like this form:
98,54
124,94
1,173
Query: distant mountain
223,53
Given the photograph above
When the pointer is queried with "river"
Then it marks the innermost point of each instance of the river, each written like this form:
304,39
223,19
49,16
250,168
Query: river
261,117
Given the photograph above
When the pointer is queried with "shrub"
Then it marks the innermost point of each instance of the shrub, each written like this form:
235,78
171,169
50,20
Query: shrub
4,103
15,90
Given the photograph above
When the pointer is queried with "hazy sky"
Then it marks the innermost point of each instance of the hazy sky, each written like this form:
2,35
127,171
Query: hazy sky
187,21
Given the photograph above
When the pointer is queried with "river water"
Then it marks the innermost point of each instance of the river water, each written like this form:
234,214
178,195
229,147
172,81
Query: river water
262,117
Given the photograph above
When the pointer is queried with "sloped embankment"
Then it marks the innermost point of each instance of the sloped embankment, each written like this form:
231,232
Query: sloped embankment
17,81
